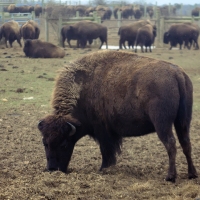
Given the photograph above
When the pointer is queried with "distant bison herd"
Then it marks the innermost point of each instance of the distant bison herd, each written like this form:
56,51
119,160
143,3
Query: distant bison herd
139,33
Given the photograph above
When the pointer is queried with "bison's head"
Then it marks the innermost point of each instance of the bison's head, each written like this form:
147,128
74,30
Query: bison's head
166,38
27,47
58,140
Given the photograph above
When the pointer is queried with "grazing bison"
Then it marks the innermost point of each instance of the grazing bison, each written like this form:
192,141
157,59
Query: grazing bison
11,32
110,95
39,49
145,37
180,33
129,32
87,31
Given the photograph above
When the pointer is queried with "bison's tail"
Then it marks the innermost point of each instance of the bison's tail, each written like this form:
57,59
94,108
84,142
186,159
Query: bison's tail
184,114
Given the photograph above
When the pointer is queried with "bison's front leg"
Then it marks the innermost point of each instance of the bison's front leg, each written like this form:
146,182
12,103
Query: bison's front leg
109,147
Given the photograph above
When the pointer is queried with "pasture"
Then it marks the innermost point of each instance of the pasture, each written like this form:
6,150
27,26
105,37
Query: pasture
25,93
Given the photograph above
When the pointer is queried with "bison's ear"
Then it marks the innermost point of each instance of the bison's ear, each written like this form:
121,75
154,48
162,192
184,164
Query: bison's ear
28,43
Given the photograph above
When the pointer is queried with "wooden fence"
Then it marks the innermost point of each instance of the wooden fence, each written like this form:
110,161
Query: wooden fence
21,18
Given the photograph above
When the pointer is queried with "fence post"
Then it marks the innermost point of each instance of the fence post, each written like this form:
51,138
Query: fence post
158,26
95,20
46,28
119,16
77,14
3,18
155,11
145,10
59,29
162,25
33,15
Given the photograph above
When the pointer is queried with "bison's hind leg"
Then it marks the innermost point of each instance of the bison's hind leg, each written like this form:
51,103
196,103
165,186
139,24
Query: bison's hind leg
163,127
184,139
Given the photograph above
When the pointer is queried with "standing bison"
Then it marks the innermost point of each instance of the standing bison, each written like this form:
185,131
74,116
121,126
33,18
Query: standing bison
129,32
39,49
87,31
145,37
110,95
181,33
11,32
66,35
30,30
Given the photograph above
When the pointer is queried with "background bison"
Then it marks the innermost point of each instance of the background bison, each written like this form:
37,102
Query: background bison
11,32
182,33
39,49
92,97
87,31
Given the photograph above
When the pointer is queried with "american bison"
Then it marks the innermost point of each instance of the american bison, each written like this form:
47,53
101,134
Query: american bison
40,49
65,34
30,30
145,37
129,32
11,32
87,31
195,12
180,33
110,95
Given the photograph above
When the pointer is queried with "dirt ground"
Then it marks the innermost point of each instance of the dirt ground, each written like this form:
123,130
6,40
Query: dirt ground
25,92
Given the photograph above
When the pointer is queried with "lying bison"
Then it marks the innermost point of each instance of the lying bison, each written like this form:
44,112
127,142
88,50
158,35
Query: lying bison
40,49
110,95
11,32
181,33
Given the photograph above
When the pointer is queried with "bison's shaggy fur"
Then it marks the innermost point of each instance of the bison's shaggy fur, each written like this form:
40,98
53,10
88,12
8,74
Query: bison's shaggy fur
40,49
30,30
110,95
180,33
129,32
145,37
87,31
11,32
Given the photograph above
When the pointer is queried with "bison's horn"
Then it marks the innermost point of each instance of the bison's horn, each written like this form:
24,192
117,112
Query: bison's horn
40,125
73,131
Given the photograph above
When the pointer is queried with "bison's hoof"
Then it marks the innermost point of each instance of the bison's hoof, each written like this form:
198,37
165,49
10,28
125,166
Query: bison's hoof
171,178
192,176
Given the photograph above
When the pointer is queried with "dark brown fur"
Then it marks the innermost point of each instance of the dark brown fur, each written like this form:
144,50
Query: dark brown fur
39,49
129,32
180,33
11,32
110,95
87,31
145,37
